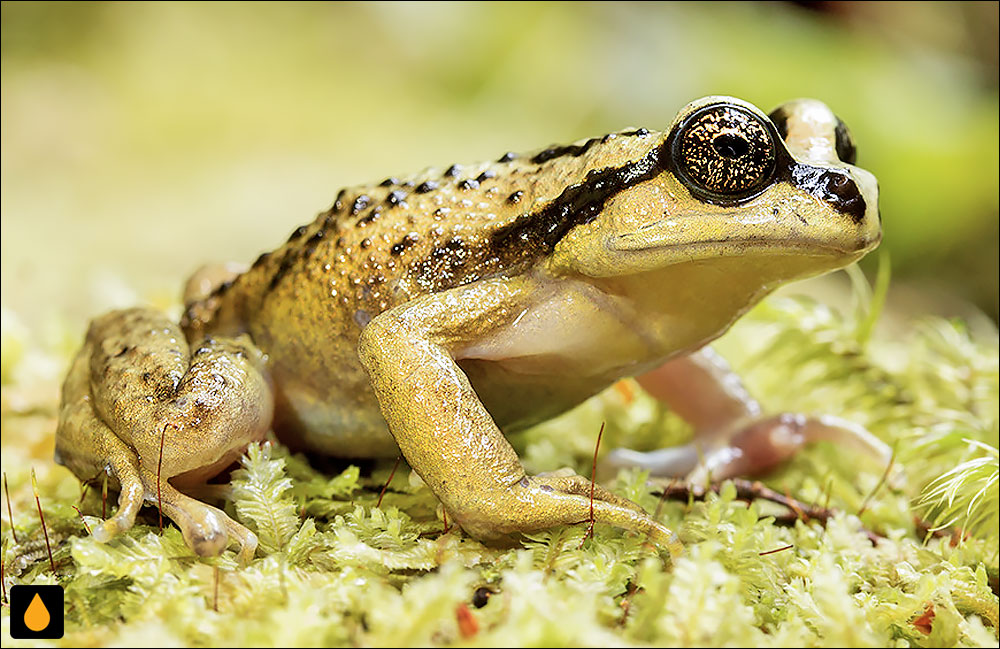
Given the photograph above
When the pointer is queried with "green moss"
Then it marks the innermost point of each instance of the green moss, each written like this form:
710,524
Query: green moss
334,569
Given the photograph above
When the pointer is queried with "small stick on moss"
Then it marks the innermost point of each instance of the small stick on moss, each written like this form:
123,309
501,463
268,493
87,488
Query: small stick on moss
776,550
82,520
41,517
10,514
753,490
215,595
444,519
159,468
392,474
593,476
3,574
881,481
104,498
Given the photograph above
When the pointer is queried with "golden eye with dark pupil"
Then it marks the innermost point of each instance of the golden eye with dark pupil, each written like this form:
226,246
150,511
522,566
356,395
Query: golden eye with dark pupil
724,152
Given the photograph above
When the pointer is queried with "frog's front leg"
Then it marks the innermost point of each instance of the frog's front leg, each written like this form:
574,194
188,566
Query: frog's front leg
447,435
732,438
154,414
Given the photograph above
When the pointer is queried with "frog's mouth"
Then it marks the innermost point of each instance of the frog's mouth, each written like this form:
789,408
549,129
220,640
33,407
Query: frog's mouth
689,251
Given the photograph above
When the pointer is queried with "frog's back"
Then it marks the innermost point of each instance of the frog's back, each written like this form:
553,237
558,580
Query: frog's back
381,245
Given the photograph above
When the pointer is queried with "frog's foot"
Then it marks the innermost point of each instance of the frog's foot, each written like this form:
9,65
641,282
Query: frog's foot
206,529
752,448
731,436
539,502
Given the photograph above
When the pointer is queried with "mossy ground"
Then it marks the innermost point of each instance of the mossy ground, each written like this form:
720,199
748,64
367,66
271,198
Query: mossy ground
335,569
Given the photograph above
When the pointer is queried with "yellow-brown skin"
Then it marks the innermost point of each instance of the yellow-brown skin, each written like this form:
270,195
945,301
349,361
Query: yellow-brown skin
430,314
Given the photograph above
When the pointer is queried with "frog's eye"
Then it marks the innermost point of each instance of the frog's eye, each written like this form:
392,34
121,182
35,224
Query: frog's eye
724,152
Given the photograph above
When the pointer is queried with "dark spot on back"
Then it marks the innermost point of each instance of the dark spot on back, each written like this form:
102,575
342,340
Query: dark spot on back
427,186
515,197
371,216
486,175
297,232
468,183
395,198
389,182
405,243
507,157
554,152
286,262
452,171
261,259
360,203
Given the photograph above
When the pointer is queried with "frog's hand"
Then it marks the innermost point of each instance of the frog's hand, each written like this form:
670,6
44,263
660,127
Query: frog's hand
447,435
731,436
141,403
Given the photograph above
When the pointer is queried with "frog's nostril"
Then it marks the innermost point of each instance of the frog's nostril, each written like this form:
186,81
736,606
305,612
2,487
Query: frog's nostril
834,187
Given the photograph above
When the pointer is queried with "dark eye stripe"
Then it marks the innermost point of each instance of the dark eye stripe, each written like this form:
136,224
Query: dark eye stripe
846,150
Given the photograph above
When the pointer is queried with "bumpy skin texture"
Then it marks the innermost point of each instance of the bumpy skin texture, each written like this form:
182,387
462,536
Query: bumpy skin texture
430,315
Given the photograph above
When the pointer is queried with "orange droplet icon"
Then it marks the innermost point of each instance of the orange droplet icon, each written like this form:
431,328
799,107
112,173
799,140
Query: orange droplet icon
37,616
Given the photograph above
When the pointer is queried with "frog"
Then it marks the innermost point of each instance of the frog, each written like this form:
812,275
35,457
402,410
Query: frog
432,315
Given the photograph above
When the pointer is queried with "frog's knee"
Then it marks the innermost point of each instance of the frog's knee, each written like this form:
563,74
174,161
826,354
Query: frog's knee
207,279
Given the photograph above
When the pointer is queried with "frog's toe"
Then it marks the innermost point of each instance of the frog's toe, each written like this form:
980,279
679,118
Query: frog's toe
202,526
676,461
130,500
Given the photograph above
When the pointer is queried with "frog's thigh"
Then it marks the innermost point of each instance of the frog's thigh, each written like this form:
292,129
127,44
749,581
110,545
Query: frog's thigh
448,437
731,436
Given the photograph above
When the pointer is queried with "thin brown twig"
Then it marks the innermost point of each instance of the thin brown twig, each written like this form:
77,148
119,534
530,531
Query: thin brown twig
159,468
776,550
753,490
593,476
82,519
881,481
10,513
41,517
392,474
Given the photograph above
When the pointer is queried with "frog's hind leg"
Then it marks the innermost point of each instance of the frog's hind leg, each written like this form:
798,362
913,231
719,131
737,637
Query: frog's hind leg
732,438
449,438
157,414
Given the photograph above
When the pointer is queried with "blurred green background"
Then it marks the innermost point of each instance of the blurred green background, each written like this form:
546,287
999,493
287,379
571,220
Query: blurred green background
141,140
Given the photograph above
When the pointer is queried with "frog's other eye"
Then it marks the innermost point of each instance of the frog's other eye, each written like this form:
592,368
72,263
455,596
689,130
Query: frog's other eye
724,153
846,150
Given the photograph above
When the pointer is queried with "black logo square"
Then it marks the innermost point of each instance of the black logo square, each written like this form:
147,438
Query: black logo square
36,612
